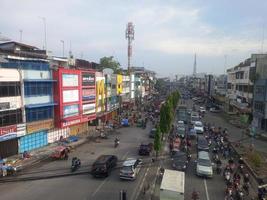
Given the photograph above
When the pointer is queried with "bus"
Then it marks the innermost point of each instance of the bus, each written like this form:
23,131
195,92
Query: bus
172,185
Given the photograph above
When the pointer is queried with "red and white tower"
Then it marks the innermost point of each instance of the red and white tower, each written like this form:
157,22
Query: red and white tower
129,34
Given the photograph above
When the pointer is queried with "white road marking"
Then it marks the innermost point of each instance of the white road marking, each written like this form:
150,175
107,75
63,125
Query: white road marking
98,188
124,157
206,189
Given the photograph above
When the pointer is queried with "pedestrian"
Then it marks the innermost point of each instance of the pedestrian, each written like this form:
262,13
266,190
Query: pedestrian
4,169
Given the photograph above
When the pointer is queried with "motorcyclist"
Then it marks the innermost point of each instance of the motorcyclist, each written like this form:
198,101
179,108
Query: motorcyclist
241,161
116,141
76,162
195,194
246,178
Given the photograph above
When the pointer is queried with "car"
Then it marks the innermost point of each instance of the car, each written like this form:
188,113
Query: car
215,110
192,133
152,133
179,160
130,169
202,110
198,126
103,165
180,123
204,165
181,130
202,143
145,149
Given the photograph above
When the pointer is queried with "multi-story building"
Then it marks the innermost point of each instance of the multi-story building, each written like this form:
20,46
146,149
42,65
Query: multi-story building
240,88
11,104
126,93
37,91
260,91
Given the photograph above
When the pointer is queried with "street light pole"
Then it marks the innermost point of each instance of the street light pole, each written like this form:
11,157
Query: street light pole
63,47
44,21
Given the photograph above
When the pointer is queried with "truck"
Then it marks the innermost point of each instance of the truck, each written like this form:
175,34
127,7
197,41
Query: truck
172,185
181,113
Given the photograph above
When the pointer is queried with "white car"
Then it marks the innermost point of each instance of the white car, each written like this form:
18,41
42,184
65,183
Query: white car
130,168
202,109
180,123
198,127
204,165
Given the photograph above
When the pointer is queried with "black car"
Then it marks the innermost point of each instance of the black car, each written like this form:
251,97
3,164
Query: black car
152,133
103,165
145,149
202,143
179,160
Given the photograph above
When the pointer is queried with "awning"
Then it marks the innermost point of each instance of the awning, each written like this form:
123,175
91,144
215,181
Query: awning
39,80
40,105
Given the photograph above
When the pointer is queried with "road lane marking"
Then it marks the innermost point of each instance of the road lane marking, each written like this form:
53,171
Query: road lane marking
124,156
98,188
206,189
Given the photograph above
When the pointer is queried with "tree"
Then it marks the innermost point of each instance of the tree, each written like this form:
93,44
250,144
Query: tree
108,62
157,141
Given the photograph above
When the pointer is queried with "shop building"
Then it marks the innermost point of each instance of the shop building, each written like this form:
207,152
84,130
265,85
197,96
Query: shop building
75,97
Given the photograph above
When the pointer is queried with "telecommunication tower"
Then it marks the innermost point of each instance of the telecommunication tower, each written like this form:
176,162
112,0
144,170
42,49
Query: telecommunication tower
129,35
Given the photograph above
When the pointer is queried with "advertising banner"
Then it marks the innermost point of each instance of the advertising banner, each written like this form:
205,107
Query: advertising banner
88,108
70,96
38,126
88,79
71,110
8,132
69,123
88,94
70,80
4,106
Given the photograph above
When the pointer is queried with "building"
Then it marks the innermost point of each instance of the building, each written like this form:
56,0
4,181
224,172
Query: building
36,89
259,61
240,88
11,104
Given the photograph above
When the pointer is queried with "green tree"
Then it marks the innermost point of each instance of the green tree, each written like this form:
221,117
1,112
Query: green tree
109,62
157,141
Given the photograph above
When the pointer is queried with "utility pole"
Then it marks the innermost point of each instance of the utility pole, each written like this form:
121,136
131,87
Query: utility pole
20,35
63,47
44,21
129,35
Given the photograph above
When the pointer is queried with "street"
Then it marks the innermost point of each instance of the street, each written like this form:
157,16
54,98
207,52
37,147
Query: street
85,186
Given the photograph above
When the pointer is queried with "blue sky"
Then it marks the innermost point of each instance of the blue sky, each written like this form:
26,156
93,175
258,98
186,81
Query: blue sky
167,32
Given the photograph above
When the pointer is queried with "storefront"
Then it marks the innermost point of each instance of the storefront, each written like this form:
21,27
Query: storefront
36,136
79,129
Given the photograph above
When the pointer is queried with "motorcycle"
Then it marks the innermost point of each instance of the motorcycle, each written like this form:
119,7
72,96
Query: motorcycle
227,176
116,144
218,169
240,194
246,188
76,163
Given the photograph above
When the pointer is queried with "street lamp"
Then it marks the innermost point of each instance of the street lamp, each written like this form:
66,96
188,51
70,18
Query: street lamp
44,21
62,47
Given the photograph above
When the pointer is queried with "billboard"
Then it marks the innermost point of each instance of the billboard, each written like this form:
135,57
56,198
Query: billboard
71,110
88,94
70,96
88,79
100,95
70,80
119,84
41,125
89,108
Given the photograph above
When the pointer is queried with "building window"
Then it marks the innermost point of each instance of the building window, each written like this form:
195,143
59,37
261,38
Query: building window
259,90
36,114
259,107
9,89
38,89
10,117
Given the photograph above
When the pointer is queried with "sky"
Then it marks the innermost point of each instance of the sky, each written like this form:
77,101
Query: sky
222,33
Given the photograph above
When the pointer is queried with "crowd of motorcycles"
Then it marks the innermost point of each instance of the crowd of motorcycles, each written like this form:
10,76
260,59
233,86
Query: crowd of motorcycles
236,176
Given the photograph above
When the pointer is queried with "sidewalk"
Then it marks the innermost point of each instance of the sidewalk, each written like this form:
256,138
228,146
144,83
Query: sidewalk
43,153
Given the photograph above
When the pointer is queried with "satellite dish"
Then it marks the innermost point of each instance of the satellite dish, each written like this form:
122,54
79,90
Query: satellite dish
108,71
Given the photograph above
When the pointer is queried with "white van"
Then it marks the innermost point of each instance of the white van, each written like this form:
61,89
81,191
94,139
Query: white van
172,185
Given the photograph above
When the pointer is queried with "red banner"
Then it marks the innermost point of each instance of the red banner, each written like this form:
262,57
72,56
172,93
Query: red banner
8,129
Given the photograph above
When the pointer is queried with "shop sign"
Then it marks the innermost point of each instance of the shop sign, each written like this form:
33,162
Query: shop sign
69,80
88,94
38,126
71,110
8,132
21,130
70,96
88,79
69,123
88,109
4,106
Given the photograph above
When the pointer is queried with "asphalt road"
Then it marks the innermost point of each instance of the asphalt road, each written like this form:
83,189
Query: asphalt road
85,186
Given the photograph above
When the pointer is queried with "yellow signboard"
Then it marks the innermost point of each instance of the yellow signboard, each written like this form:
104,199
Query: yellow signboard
100,92
40,125
119,84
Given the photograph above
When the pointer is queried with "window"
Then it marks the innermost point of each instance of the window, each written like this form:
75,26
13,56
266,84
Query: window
10,117
38,88
36,114
259,90
26,65
259,106
9,89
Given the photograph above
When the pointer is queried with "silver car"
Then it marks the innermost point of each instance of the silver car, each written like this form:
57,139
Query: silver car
204,165
130,169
